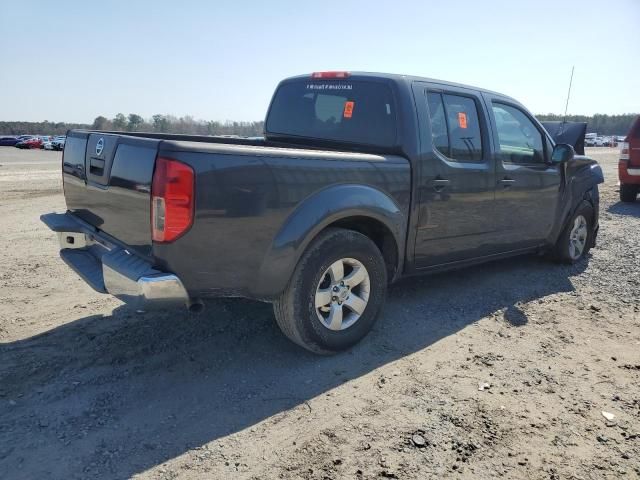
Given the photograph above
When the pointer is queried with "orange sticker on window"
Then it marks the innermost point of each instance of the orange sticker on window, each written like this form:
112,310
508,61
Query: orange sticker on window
348,109
462,120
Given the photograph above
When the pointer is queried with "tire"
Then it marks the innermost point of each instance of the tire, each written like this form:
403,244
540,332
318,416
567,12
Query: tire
313,278
628,193
575,234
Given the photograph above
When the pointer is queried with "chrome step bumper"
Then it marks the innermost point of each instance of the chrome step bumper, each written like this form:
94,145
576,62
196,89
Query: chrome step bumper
112,269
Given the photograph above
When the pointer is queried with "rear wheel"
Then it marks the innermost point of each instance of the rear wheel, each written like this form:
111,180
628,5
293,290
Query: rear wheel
628,193
335,293
577,238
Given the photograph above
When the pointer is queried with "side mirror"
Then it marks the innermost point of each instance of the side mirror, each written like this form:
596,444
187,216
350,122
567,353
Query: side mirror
562,153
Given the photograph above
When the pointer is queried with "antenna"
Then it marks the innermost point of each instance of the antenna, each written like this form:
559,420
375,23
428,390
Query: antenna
566,106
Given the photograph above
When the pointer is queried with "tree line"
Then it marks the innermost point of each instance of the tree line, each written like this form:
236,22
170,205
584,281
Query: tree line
38,128
136,123
601,123
170,124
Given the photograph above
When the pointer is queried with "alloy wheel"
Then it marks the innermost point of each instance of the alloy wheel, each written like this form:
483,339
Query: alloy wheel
342,294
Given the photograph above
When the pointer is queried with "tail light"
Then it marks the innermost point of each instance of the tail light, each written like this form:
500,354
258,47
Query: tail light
632,153
172,200
624,151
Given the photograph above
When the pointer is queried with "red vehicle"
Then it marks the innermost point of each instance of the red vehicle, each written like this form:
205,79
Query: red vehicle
33,142
629,166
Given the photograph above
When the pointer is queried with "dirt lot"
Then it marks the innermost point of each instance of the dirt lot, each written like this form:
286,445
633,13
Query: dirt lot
91,389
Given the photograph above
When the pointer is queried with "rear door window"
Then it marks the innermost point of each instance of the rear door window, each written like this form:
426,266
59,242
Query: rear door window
335,110
455,126
439,132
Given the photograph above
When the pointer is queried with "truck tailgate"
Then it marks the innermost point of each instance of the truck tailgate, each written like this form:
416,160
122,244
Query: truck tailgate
107,183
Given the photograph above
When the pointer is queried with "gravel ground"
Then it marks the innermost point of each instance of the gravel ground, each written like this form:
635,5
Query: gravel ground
502,370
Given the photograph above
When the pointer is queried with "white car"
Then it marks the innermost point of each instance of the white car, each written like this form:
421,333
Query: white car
57,143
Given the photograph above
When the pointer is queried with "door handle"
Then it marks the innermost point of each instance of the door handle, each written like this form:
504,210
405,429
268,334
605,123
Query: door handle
440,183
507,182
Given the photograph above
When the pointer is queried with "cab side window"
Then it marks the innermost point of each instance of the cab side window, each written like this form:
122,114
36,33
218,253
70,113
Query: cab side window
439,133
520,141
455,126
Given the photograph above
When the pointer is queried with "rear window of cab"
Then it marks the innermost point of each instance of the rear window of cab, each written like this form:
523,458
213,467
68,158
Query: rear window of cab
350,111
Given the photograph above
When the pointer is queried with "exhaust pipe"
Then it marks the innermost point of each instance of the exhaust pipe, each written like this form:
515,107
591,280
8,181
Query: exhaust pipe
195,305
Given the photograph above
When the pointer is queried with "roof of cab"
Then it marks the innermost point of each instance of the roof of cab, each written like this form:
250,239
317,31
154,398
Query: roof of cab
400,78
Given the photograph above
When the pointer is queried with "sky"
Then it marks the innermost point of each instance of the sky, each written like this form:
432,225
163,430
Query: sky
221,60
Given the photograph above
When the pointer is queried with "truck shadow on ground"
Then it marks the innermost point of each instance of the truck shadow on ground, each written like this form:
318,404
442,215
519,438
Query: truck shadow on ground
115,395
628,209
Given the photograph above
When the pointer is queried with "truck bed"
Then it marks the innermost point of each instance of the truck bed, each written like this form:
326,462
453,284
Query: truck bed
246,193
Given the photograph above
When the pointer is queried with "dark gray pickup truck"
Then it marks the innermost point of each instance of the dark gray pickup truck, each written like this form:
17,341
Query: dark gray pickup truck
360,179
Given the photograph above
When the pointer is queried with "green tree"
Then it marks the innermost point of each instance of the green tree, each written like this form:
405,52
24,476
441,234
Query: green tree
119,122
100,123
134,122
160,123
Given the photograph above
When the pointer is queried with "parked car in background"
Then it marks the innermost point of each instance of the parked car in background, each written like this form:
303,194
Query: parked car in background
629,165
33,142
59,142
7,141
56,143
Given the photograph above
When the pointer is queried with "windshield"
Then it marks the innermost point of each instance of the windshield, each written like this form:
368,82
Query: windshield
336,110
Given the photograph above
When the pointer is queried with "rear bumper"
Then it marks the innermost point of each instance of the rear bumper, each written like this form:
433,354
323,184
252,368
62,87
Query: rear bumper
111,268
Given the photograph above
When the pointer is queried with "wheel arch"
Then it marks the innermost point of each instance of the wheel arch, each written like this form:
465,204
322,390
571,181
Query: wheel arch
361,208
379,233
577,193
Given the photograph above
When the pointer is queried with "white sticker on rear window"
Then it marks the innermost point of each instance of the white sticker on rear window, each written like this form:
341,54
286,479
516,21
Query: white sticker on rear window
329,86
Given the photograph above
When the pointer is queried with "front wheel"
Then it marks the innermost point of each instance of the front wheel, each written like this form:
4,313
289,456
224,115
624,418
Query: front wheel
335,293
628,193
577,238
